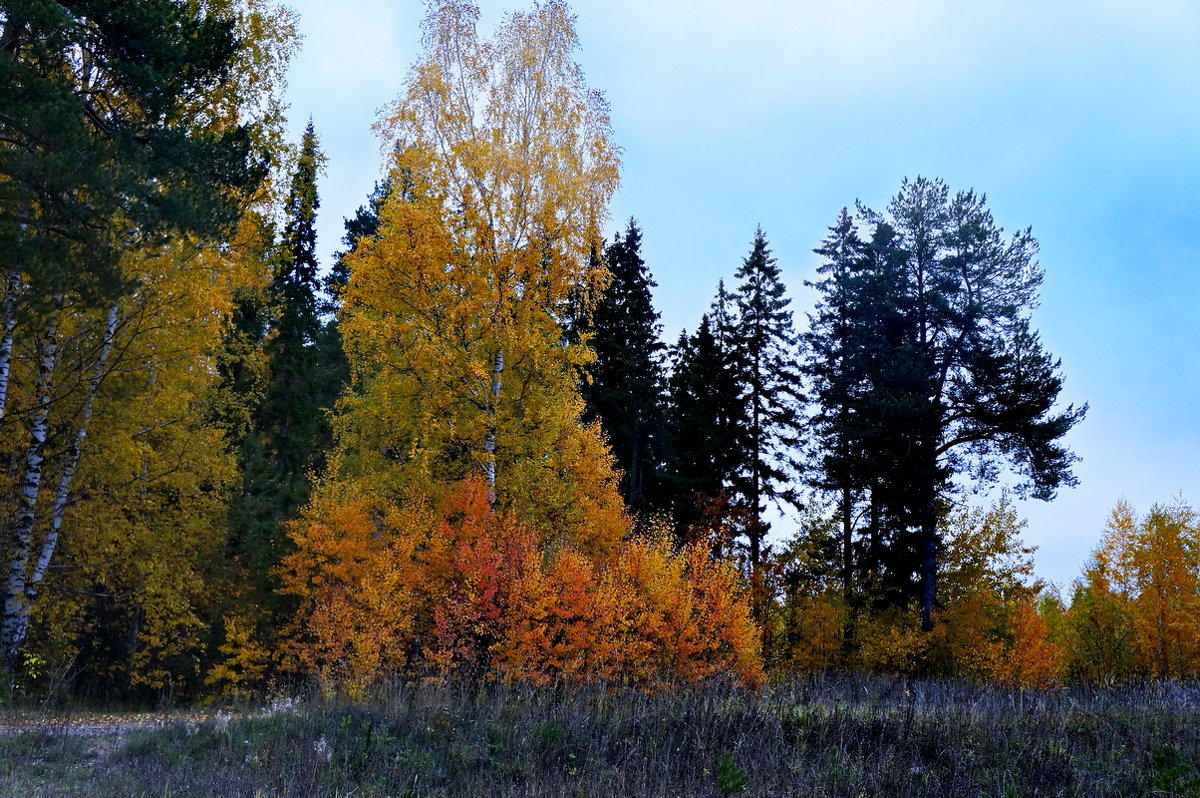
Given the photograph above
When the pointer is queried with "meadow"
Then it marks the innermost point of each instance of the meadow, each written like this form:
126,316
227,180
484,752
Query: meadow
826,736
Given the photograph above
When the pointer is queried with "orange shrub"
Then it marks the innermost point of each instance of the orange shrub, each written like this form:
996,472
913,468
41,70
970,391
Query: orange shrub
469,590
1033,660
653,615
359,592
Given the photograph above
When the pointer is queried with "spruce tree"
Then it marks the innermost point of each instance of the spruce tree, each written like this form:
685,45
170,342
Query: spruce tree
333,375
292,413
289,427
705,433
836,383
625,388
766,363
363,224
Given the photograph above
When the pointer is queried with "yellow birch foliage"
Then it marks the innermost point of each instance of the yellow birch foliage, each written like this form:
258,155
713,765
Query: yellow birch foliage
148,521
245,661
1099,623
891,641
814,631
130,586
452,315
989,626
1166,567
988,577
1136,610
806,621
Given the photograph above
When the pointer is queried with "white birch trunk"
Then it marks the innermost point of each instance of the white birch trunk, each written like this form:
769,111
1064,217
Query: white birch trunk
11,288
489,445
63,492
16,607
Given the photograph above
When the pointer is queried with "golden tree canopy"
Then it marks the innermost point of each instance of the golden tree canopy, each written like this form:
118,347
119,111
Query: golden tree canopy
453,315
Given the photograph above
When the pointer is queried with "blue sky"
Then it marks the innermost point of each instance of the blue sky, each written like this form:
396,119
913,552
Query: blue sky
1080,118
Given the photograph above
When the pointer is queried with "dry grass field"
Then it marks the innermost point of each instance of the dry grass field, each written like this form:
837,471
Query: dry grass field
836,737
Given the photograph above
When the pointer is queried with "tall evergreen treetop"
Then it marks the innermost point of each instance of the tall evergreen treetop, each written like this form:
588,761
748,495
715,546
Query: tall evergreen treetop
364,224
298,265
866,390
289,428
704,420
835,382
292,411
625,390
765,346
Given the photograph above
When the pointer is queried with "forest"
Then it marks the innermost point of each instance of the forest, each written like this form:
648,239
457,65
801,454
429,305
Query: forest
463,451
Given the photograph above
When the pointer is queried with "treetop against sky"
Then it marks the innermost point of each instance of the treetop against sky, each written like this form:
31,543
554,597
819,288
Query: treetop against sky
1079,119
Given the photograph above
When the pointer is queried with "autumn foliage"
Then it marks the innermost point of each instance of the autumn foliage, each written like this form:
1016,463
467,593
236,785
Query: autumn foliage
470,522
1135,613
991,626
459,518
458,589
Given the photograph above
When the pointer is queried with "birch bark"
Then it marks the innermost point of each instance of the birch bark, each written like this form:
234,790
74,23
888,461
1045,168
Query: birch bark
63,492
11,288
489,445
16,606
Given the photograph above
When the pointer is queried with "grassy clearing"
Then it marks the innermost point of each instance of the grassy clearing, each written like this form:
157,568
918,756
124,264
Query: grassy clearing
828,737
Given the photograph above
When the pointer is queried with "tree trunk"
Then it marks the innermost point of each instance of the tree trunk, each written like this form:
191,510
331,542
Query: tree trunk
875,544
929,552
489,445
756,464
11,287
633,492
755,535
16,605
847,542
63,492
849,624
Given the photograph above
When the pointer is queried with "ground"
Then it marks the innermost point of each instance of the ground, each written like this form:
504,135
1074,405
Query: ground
829,737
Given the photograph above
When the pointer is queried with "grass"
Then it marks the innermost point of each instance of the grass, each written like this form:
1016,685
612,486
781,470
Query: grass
827,737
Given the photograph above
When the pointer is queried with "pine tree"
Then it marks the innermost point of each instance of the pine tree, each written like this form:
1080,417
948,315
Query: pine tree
941,373
625,388
765,361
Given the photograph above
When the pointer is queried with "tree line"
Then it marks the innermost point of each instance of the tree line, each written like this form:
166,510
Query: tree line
464,448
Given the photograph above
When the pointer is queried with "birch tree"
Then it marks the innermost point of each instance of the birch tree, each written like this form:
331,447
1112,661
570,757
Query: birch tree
463,374
112,111
516,156
453,313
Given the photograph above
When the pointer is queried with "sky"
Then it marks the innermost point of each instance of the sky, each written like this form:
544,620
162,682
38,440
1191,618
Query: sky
1078,118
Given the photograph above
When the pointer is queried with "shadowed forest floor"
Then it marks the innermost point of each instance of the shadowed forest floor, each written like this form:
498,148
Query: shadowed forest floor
825,737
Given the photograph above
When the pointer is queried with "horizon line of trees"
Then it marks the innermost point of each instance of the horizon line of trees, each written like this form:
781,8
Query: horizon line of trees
464,449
